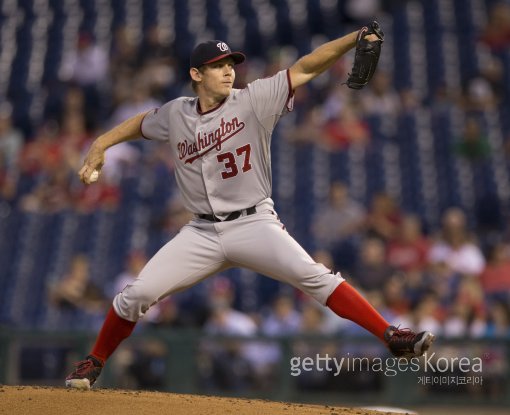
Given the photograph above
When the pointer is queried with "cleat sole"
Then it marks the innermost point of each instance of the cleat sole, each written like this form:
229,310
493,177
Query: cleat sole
80,384
427,342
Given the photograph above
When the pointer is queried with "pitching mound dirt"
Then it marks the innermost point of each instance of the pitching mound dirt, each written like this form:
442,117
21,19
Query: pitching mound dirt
33,400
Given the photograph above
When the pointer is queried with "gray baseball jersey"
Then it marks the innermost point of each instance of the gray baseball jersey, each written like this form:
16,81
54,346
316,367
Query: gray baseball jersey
223,165
222,156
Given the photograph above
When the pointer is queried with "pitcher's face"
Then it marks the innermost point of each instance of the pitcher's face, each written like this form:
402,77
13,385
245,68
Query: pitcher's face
217,78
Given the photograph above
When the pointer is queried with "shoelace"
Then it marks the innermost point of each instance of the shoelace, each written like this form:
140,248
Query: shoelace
84,366
403,336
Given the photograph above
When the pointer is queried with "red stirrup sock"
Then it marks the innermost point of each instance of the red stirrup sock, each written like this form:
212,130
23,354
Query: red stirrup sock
346,302
114,330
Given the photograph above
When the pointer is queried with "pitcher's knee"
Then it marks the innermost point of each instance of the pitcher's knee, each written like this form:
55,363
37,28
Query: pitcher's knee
320,287
133,302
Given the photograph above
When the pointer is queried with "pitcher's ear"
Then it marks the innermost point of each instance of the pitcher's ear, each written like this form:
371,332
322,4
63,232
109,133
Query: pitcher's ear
195,74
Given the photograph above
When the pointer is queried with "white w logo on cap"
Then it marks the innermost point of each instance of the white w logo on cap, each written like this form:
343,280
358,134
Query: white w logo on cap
222,46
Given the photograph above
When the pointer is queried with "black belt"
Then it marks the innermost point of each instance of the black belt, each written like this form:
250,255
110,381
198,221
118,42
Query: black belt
231,215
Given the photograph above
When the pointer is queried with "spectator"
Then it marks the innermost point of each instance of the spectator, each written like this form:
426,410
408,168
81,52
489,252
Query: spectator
8,183
345,130
371,270
156,47
138,99
75,291
341,218
439,279
11,139
224,319
443,99
11,142
313,323
496,34
499,320
384,217
43,154
380,98
337,224
470,294
229,360
308,128
361,11
68,98
101,196
50,160
339,98
124,57
51,194
495,278
156,56
457,321
283,318
455,246
473,144
146,366
87,65
313,319
395,298
479,95
493,71
467,312
74,100
410,103
167,315
428,313
408,250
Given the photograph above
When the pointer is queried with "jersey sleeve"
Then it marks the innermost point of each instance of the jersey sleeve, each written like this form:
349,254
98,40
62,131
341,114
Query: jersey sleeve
271,98
155,124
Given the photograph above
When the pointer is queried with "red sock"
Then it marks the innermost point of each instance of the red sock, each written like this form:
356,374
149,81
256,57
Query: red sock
346,302
114,330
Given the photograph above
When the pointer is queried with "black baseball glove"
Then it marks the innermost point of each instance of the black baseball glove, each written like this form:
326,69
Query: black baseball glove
366,57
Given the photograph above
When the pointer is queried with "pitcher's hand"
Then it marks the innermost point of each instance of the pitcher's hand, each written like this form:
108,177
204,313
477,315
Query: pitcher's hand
94,160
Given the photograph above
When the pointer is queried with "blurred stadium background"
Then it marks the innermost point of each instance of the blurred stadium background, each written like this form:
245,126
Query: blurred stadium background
403,186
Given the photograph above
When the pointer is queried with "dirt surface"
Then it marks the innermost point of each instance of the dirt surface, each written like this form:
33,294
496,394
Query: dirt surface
33,400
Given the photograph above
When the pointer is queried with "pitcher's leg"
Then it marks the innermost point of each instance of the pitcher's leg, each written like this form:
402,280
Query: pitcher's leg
187,259
265,247
276,254
260,243
348,303
184,261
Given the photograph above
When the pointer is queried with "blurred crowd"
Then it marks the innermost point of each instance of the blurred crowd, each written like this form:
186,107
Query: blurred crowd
446,280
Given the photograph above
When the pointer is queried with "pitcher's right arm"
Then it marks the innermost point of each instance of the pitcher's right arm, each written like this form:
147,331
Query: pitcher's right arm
125,131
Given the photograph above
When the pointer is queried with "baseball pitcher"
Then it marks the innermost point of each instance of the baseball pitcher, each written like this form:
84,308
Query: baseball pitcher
220,142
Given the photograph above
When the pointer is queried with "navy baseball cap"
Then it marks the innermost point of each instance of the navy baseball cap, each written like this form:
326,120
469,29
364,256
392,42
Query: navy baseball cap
212,51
